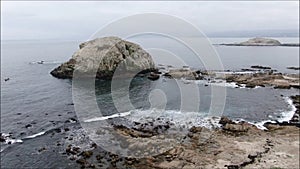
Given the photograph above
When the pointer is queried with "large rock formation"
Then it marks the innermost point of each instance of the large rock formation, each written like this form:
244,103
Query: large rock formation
103,56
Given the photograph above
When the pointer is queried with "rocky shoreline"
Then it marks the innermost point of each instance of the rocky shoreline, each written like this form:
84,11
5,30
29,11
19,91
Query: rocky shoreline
234,145
255,76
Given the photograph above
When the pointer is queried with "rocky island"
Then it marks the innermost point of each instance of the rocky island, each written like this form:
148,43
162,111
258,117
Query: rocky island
261,42
105,55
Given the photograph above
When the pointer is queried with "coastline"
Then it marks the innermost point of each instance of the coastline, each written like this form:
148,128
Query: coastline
235,144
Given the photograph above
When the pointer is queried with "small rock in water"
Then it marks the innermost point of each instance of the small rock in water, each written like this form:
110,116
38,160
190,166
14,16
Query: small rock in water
2,138
153,76
87,154
260,67
28,125
42,149
81,161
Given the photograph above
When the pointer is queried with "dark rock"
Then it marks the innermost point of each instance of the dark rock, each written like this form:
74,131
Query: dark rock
87,154
42,149
167,75
282,87
94,145
153,76
249,85
28,125
232,166
98,157
293,68
195,129
224,120
81,161
57,130
2,138
246,70
260,67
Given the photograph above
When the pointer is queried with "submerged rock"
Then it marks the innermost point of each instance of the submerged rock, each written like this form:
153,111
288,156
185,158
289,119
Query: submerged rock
104,56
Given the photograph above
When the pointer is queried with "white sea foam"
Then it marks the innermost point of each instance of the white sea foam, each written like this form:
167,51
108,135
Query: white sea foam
188,119
46,62
175,117
12,141
220,83
287,116
260,125
107,117
236,72
36,135
9,140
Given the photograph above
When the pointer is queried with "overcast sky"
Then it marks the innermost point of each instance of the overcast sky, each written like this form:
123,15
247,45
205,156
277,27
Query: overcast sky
79,20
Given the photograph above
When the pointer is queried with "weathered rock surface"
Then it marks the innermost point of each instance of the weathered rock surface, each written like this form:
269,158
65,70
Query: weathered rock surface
202,148
278,81
103,56
183,73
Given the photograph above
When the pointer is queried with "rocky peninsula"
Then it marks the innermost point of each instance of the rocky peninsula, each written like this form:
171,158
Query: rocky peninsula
262,42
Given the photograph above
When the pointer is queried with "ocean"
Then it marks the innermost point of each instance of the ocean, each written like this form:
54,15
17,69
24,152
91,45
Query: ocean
35,106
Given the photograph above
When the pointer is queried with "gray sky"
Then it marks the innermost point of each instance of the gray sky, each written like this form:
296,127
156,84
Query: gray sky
79,20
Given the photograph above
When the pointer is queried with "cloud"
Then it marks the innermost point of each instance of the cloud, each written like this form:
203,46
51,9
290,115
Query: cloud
78,20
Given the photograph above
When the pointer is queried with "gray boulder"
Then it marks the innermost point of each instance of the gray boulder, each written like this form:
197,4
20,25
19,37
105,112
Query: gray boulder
103,56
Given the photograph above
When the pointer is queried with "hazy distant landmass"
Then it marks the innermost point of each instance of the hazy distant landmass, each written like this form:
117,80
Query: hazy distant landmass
261,42
256,33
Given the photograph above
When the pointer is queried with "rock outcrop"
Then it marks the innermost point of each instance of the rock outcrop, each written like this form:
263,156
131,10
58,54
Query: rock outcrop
262,42
104,56
278,81
182,73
